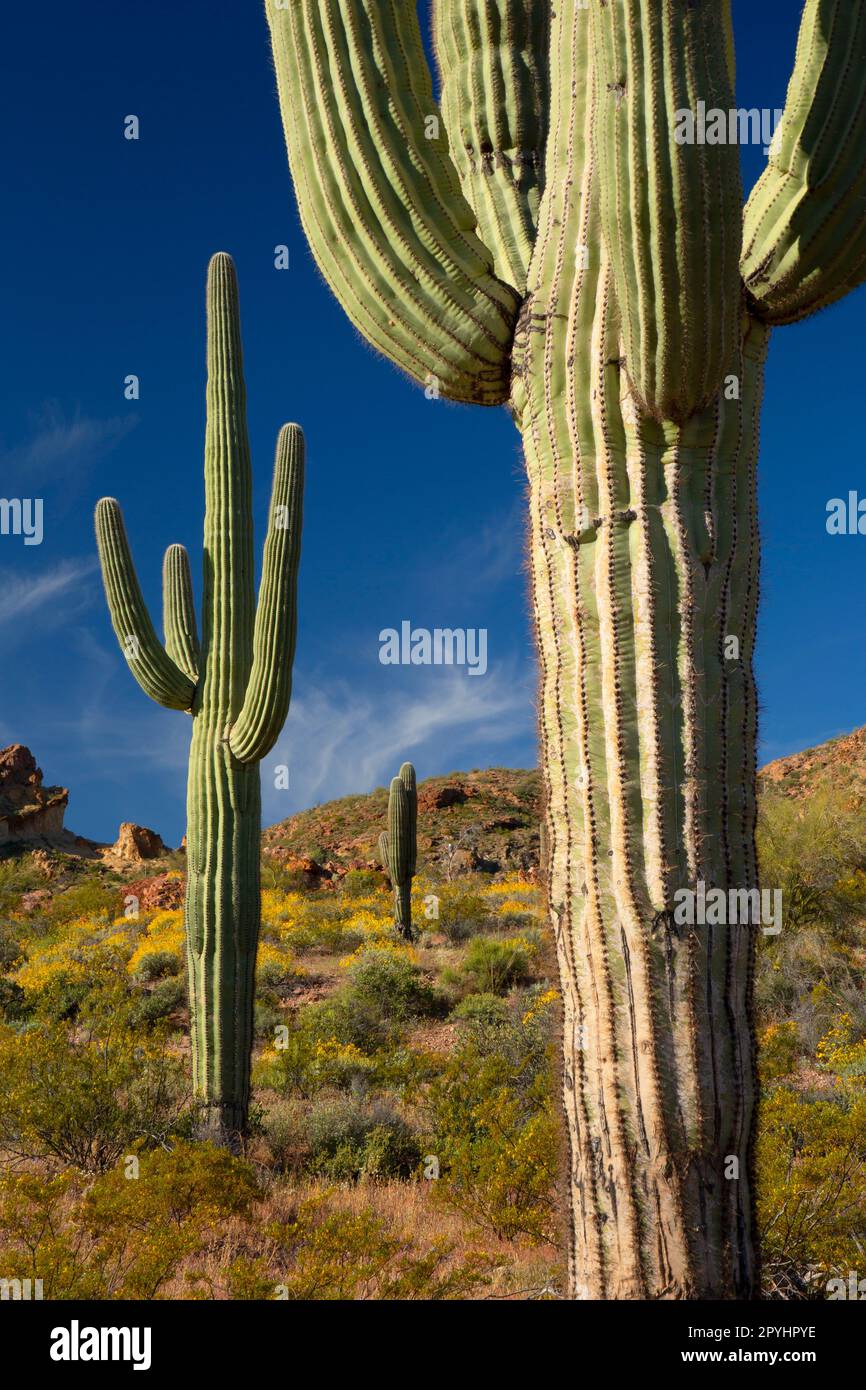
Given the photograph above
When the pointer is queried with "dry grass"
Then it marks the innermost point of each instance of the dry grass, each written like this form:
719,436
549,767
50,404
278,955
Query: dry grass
405,1209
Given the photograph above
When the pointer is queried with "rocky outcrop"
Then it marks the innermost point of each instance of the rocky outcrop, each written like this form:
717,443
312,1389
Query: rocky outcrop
437,798
28,810
157,893
136,842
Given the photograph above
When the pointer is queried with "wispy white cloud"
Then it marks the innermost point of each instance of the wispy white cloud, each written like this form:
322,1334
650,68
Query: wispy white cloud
57,442
57,589
338,741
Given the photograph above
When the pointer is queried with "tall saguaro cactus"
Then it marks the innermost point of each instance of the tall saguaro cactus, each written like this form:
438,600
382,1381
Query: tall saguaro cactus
236,684
398,845
546,240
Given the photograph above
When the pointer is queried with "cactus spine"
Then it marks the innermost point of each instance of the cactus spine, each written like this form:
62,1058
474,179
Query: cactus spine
398,846
613,309
236,684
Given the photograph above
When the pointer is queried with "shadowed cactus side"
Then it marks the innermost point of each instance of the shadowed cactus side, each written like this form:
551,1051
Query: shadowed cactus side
398,845
543,239
236,683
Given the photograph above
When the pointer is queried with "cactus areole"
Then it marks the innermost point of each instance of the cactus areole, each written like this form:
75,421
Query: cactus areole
398,845
542,238
236,684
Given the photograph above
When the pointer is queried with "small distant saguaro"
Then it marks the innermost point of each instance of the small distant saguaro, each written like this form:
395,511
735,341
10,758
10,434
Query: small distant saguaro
398,845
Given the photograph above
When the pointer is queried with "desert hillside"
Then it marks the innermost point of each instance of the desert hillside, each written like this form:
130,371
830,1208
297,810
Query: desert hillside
468,822
405,1095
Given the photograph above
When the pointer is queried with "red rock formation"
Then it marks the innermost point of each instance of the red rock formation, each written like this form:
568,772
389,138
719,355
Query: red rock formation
28,811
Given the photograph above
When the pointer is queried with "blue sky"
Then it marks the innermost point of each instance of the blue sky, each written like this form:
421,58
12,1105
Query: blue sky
413,510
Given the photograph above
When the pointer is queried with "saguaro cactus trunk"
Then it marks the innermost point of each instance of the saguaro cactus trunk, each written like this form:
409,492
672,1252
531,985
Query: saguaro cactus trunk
398,845
546,238
236,686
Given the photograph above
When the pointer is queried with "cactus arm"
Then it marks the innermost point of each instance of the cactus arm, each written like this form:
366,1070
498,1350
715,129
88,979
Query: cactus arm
269,689
669,210
383,852
178,608
804,242
407,778
492,59
380,202
153,667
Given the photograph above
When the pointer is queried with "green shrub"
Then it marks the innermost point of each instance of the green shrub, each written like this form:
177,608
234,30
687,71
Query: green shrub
493,1126
11,950
88,1096
268,1013
93,898
482,1010
285,1129
813,850
349,1139
360,883
349,1019
779,1051
19,873
14,1004
161,1002
156,966
811,1188
809,975
493,965
122,1235
462,910
392,986
303,1064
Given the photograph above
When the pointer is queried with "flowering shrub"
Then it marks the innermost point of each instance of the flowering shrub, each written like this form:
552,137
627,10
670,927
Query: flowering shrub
493,1125
163,935
86,1097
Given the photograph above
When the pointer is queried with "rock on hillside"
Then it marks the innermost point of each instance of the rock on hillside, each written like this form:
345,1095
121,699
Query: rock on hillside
485,822
28,811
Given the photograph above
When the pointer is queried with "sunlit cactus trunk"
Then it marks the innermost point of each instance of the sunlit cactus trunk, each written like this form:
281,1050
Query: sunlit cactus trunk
236,685
644,556
559,201
648,751
222,914
398,846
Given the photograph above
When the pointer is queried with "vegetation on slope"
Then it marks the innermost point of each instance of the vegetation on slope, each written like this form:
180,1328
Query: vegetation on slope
406,1136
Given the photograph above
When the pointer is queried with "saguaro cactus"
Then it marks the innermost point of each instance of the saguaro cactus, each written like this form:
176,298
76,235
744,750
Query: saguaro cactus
236,685
398,845
546,240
